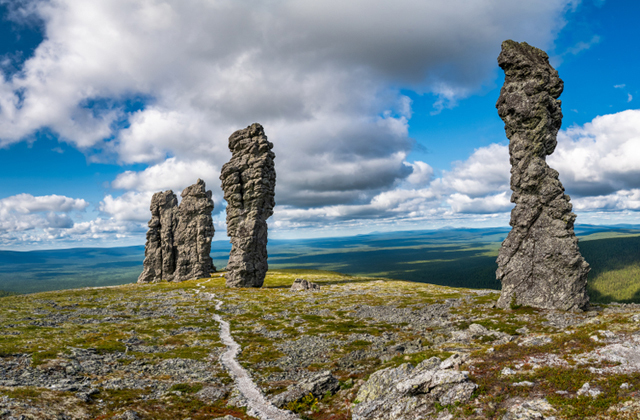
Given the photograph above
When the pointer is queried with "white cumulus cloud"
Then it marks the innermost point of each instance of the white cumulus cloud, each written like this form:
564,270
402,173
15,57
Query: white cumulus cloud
600,157
324,78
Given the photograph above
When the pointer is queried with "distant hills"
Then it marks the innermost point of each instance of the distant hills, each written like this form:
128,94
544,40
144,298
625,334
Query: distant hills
452,257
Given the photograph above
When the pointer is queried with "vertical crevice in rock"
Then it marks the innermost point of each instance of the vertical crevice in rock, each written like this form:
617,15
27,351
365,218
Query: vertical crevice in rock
160,251
539,262
248,182
179,237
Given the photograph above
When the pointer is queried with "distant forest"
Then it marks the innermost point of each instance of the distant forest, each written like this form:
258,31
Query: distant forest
450,257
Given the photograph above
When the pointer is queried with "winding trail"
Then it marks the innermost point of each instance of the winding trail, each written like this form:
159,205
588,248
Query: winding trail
257,404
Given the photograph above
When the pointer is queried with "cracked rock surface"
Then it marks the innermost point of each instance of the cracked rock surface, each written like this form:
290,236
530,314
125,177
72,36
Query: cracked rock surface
409,392
539,262
179,237
159,251
248,182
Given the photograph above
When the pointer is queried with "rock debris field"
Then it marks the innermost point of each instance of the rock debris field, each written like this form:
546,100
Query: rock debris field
354,348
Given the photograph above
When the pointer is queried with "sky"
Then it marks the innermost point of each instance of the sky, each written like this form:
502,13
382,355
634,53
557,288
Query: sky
382,114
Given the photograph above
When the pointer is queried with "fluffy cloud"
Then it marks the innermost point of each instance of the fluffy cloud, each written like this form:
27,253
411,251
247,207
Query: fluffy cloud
27,203
484,172
130,206
324,78
28,222
620,200
24,212
172,174
600,157
462,203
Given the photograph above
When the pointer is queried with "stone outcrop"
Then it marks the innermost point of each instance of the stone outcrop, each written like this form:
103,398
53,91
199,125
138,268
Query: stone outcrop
319,385
408,393
304,284
539,262
248,182
179,237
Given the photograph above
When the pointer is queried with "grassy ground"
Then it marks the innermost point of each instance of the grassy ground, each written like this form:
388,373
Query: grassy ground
264,320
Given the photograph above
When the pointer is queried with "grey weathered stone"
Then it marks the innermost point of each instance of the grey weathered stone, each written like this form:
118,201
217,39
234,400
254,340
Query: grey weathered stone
303,284
179,237
194,233
160,251
539,262
248,182
407,393
317,385
534,409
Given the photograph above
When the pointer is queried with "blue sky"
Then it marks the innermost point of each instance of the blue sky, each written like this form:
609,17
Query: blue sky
382,116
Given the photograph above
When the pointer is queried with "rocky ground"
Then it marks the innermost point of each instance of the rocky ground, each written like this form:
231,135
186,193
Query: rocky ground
358,348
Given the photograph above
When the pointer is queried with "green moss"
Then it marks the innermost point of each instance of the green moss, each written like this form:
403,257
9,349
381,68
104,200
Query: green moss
186,388
23,393
41,357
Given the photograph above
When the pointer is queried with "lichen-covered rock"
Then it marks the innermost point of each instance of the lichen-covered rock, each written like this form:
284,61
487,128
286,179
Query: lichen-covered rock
539,263
535,409
194,233
179,237
318,385
160,251
303,284
407,393
248,182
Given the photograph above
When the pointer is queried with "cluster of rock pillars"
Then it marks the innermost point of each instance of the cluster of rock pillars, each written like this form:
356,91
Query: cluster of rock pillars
539,263
179,236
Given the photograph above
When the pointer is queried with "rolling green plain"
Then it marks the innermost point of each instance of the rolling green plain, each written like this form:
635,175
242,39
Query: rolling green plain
449,257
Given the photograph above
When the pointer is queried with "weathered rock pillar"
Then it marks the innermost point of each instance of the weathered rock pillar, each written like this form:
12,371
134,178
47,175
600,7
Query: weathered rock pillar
194,233
248,182
160,251
539,262
179,237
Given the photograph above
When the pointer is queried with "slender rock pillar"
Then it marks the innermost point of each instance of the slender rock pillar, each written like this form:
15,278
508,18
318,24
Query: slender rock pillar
248,182
160,251
539,262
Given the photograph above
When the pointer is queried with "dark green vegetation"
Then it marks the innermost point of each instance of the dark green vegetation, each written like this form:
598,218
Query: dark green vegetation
451,257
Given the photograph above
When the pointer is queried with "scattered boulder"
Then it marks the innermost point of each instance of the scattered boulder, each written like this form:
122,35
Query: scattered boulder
407,392
536,409
248,182
179,237
302,284
476,331
588,390
129,415
212,393
539,262
317,385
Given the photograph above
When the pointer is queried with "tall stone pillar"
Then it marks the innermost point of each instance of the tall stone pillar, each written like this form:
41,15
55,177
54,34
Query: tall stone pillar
248,182
539,263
